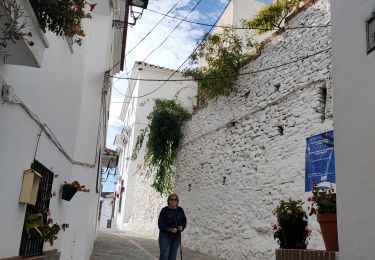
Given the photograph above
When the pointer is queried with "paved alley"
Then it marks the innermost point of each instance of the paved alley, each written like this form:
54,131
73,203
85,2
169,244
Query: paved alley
117,245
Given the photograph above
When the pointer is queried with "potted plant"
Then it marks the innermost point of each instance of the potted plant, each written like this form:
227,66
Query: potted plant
64,18
323,204
291,231
69,189
34,225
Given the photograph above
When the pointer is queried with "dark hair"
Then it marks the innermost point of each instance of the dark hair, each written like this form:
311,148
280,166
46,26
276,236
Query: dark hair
173,195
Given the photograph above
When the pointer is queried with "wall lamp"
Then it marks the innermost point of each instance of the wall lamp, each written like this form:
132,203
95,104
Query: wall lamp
142,4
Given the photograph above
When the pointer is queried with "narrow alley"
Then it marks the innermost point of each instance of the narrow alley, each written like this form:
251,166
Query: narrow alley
117,245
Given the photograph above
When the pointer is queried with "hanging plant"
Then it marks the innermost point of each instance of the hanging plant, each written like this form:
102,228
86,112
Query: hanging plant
163,139
63,17
271,16
139,142
222,55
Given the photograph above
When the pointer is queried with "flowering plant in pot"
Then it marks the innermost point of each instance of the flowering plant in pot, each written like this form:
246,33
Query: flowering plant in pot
323,204
291,231
69,189
41,225
63,17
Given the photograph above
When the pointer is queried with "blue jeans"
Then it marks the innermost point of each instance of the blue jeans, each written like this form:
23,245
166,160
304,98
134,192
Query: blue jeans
168,245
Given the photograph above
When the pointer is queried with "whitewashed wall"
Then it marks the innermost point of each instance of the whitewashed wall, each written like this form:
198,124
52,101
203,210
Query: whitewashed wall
141,204
261,165
65,93
353,79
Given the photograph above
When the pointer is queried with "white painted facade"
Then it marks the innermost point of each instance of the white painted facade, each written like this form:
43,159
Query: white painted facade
106,202
353,80
243,153
235,12
141,204
66,95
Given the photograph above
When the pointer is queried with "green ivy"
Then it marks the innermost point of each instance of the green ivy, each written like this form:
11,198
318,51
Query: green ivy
271,16
223,54
164,133
139,143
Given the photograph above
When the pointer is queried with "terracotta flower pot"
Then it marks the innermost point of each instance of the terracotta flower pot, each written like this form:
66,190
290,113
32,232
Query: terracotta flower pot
328,226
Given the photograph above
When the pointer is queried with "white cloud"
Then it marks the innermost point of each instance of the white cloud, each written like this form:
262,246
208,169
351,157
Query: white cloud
172,53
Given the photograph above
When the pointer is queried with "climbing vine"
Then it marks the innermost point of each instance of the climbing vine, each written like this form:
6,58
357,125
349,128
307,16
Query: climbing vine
164,133
271,16
222,55
139,143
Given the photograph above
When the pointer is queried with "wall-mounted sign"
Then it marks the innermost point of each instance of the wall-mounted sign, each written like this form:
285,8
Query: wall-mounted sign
370,33
320,161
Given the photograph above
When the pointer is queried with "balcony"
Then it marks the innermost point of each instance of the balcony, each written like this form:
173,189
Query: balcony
22,52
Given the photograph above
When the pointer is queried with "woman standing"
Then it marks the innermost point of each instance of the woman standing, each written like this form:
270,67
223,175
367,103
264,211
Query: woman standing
172,221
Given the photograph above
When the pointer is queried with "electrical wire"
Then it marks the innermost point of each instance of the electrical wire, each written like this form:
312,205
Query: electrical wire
176,70
230,76
147,34
166,38
49,133
237,28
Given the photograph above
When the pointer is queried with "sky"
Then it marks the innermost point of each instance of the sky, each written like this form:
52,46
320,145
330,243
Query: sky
171,54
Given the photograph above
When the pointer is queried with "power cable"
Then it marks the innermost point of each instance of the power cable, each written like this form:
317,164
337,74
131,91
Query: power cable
49,133
166,38
238,28
176,70
230,76
147,34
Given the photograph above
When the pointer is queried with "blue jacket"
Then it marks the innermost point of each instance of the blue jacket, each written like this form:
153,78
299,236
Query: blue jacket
171,218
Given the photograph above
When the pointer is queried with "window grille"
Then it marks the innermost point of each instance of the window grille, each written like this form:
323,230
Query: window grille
33,245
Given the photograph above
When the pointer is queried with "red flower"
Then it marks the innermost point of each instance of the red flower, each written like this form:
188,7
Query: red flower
79,8
92,6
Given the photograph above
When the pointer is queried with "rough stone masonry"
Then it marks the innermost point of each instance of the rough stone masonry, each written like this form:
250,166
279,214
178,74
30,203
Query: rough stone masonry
241,154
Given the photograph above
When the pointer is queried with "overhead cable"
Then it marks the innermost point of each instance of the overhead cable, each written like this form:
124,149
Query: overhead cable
182,64
166,38
147,34
238,28
229,76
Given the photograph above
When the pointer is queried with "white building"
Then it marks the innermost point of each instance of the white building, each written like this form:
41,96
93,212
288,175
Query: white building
235,12
354,106
65,99
138,207
106,209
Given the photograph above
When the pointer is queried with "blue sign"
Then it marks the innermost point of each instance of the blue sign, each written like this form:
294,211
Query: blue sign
320,161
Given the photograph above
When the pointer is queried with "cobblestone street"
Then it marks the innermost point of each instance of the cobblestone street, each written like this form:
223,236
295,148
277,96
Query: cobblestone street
117,245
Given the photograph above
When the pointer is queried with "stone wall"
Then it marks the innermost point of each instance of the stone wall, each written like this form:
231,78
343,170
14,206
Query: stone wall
243,153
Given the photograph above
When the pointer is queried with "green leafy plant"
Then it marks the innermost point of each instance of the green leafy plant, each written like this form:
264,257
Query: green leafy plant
47,230
139,142
271,16
11,30
163,139
63,17
290,211
291,231
322,201
223,54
